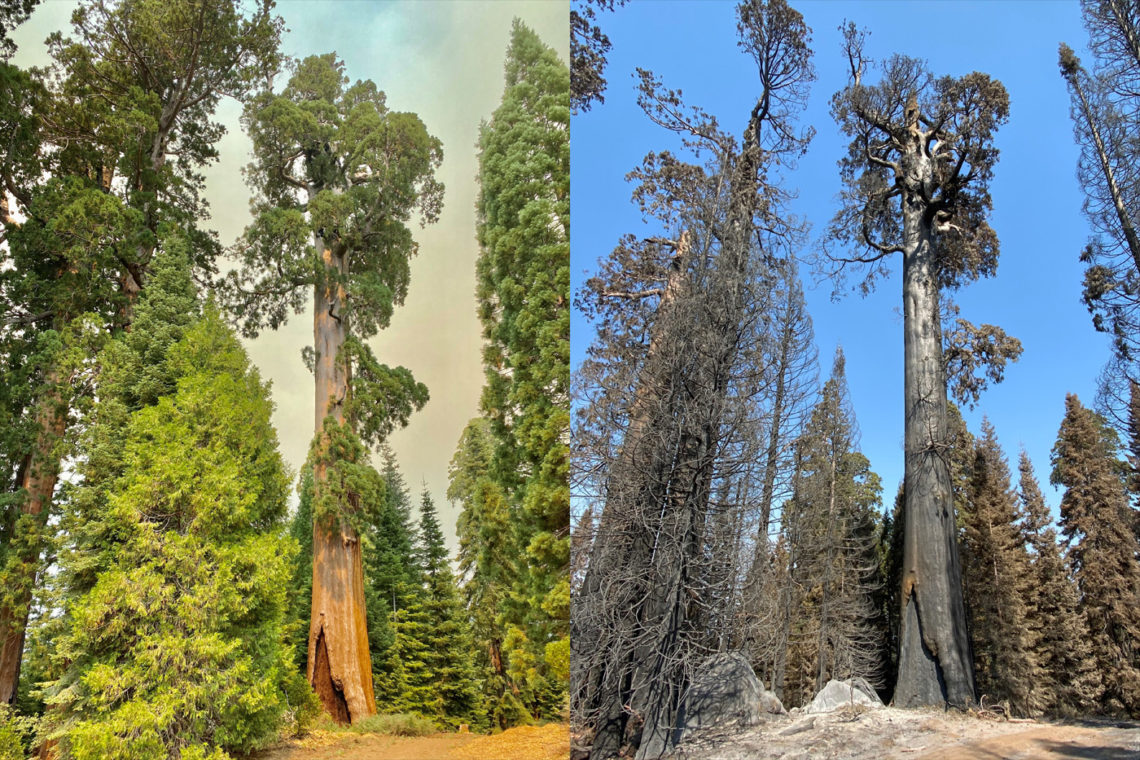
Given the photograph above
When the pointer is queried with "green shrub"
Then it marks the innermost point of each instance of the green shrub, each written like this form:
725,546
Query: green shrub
395,724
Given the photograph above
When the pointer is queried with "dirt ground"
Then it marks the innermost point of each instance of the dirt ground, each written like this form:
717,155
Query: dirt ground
891,734
549,742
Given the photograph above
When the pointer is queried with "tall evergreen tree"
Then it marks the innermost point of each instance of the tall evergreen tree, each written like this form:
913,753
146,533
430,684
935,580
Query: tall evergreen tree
916,176
337,177
1095,522
136,85
448,639
523,275
997,579
175,643
393,580
835,545
486,564
1068,682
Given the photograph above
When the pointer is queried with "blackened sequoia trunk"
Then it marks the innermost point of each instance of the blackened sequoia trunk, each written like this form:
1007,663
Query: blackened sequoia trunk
935,664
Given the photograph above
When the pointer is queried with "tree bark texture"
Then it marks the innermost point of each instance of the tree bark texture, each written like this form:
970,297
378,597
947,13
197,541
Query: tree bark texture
619,543
339,664
39,475
935,664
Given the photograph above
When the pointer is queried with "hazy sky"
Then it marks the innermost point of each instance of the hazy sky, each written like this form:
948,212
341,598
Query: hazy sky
444,61
1037,201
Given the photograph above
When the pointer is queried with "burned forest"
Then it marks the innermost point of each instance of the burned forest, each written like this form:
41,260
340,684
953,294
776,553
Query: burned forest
745,542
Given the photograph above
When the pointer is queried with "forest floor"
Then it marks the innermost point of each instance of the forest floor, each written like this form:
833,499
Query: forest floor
549,742
894,734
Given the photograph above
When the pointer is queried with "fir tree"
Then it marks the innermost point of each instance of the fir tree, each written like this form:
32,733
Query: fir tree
486,564
1102,549
995,568
835,544
175,621
301,589
1069,683
448,639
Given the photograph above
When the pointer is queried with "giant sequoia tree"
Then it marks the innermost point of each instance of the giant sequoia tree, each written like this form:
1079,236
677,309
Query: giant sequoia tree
338,177
523,287
916,179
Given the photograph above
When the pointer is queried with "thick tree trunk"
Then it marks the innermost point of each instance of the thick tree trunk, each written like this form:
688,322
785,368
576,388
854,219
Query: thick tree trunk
339,664
38,479
935,665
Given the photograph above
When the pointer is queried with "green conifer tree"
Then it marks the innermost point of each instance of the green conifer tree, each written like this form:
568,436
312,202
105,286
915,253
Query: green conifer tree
174,643
449,641
486,565
1096,523
523,289
997,578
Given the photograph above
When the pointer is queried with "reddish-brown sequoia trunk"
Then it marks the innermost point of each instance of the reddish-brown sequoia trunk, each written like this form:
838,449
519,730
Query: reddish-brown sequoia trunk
339,666
38,478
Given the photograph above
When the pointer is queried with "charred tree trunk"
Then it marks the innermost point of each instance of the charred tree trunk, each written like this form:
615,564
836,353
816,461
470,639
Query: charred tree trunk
38,478
935,665
620,542
339,664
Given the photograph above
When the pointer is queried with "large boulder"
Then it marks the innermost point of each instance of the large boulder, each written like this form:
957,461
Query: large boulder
837,694
726,692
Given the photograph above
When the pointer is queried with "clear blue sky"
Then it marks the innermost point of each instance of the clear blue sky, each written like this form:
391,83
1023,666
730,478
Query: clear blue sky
1035,295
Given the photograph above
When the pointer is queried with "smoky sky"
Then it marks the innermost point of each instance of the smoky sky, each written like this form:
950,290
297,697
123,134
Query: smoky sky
442,59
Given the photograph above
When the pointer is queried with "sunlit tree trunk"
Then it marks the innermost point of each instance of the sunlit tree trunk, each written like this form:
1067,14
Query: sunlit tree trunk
339,665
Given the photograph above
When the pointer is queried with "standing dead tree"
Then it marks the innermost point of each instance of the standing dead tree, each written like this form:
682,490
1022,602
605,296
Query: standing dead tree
669,455
916,184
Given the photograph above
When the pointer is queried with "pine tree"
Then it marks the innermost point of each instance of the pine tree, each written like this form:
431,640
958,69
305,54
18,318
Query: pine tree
996,576
175,641
1095,522
523,290
1068,683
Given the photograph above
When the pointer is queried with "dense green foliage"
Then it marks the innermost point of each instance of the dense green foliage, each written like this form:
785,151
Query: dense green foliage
448,638
523,291
176,576
486,564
